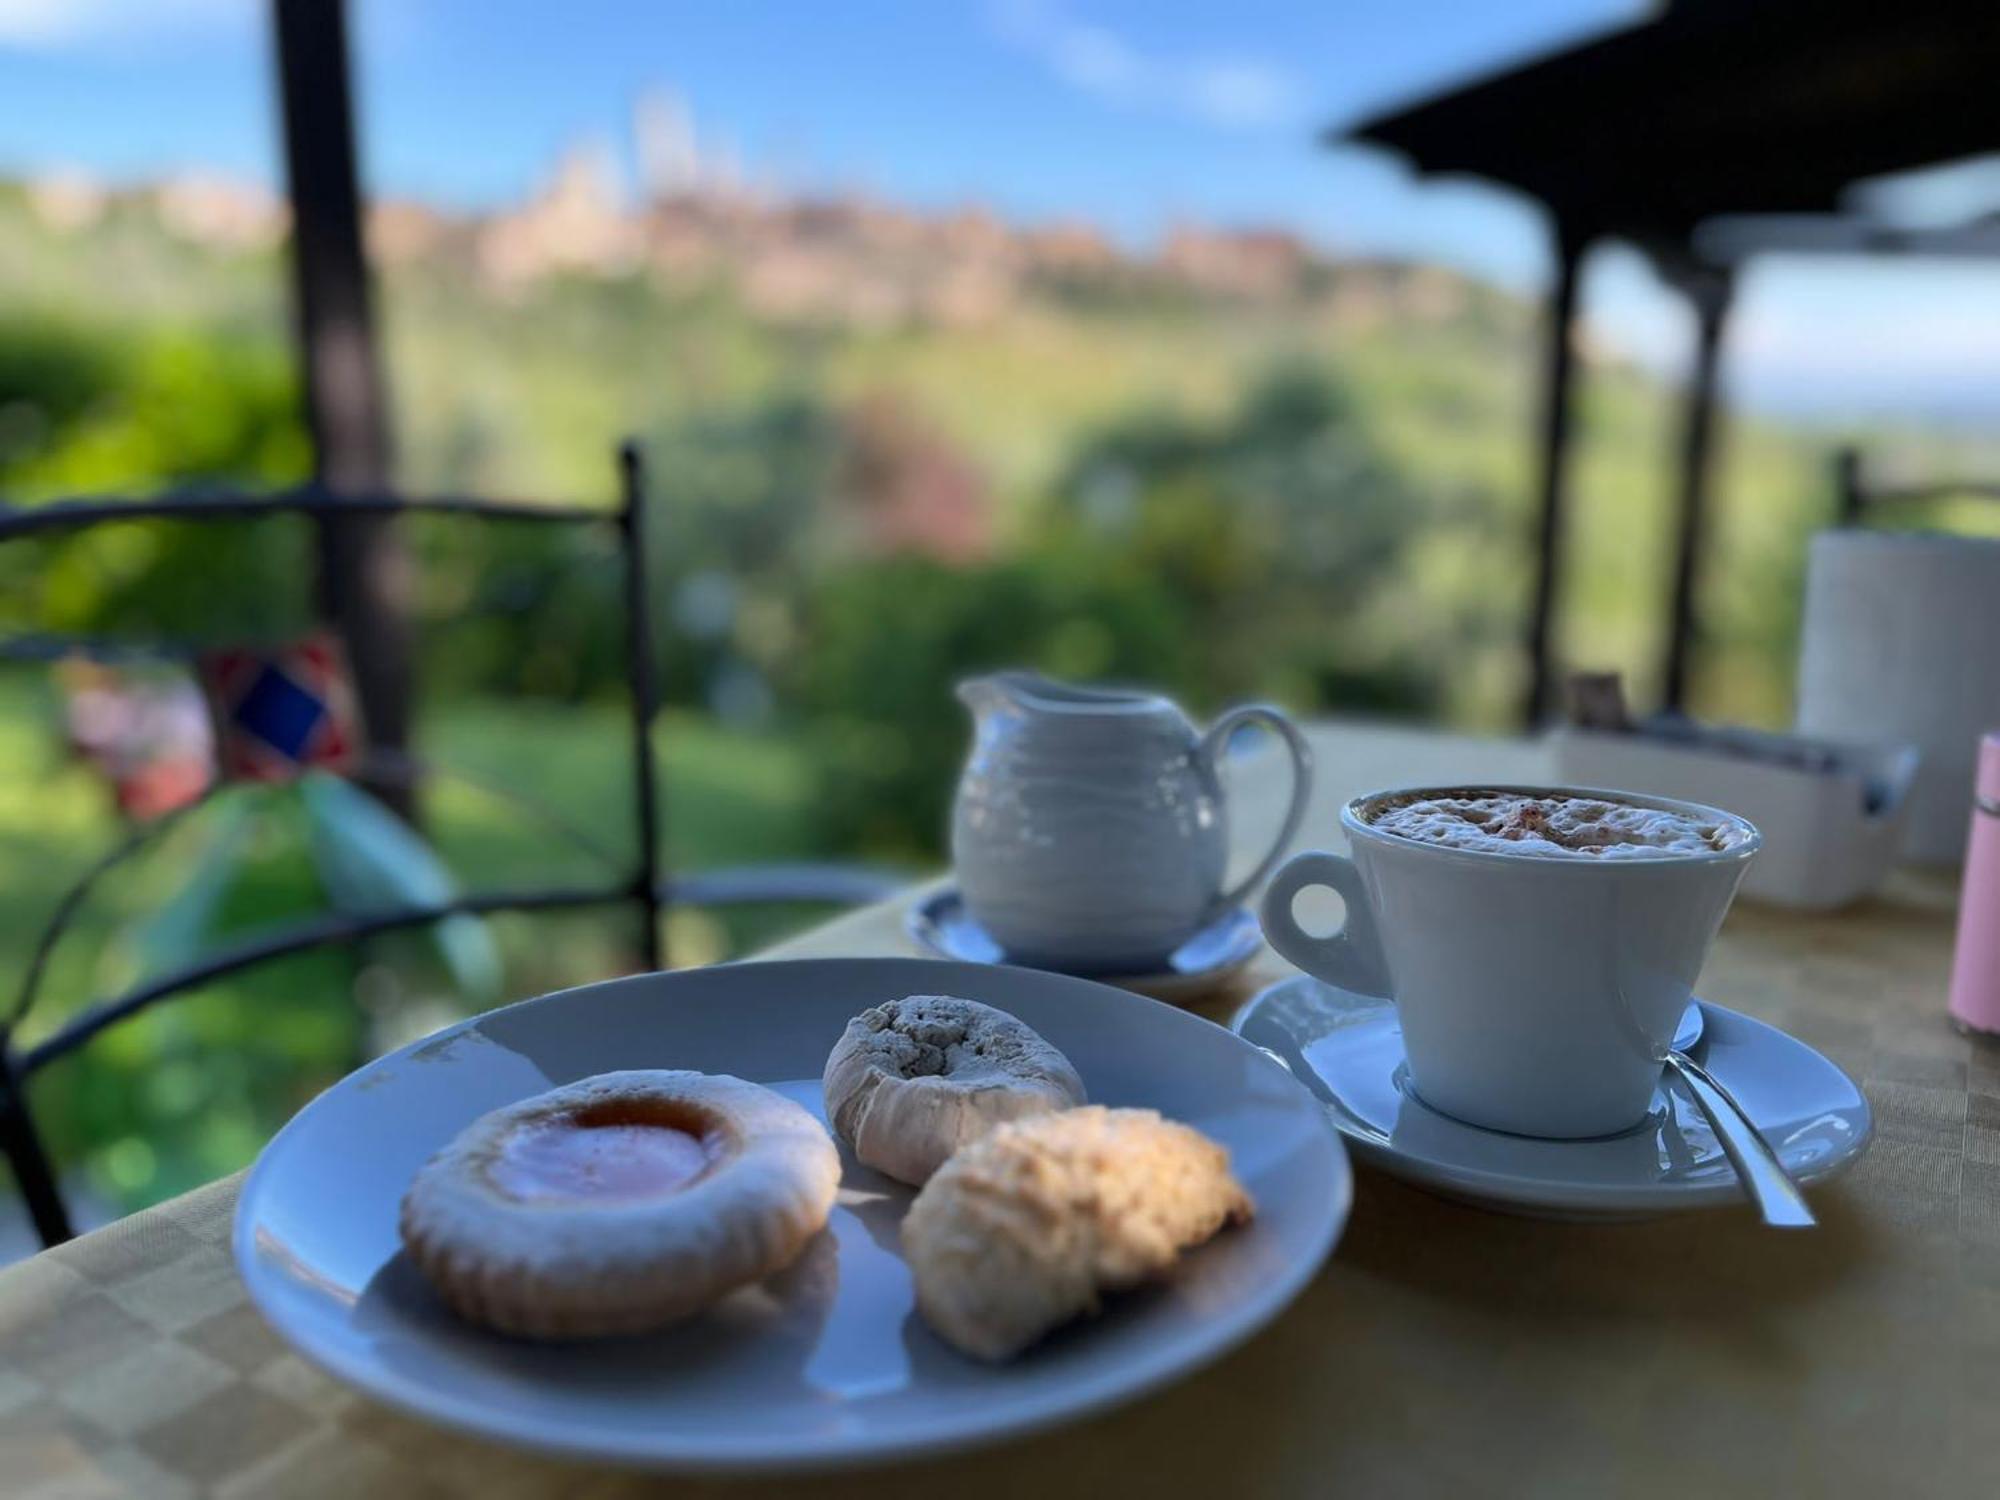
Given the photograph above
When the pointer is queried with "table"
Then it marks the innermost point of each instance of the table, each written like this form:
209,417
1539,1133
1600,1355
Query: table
1441,1349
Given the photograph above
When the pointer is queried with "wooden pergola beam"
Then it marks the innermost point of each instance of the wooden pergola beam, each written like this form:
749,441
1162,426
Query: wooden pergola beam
1686,130
1552,450
1711,293
364,574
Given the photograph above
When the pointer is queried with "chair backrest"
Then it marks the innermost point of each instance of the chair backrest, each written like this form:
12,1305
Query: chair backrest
643,887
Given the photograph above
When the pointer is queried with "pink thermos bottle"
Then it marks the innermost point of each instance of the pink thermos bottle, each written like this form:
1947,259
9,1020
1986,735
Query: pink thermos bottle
1975,969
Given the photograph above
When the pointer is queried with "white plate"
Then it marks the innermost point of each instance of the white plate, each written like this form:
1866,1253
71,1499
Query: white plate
940,924
828,1362
1348,1049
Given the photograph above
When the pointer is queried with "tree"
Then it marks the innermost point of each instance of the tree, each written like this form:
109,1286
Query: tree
1282,529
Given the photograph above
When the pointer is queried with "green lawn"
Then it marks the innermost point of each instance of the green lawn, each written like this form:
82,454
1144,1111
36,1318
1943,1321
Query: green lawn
192,1088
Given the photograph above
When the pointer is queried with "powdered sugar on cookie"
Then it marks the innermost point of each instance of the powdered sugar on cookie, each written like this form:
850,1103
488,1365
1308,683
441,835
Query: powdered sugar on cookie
912,1081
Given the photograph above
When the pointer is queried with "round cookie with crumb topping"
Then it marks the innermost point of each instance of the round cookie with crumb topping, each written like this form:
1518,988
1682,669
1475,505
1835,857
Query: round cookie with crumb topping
619,1203
911,1081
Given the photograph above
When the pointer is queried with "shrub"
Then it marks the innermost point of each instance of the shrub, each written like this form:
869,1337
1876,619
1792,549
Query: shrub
884,642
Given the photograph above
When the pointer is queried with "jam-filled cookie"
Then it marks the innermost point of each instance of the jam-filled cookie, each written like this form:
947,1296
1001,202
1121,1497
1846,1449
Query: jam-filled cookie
619,1203
911,1081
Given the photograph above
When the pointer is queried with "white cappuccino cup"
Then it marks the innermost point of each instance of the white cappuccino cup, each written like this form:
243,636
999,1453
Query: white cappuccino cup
1537,993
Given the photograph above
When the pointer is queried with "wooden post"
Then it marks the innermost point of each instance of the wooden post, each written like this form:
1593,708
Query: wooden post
1849,499
1711,292
364,575
1553,428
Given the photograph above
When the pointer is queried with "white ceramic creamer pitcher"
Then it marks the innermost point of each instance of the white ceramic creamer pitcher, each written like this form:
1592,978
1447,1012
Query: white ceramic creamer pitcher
1089,830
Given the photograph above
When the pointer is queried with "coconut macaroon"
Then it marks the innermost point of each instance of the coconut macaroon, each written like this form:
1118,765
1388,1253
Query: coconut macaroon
1024,1230
912,1080
620,1203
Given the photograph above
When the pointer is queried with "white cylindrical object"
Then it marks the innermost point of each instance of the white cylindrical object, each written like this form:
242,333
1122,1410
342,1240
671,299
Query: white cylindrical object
1902,642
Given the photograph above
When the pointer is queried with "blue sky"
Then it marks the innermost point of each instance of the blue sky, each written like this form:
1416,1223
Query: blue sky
1128,113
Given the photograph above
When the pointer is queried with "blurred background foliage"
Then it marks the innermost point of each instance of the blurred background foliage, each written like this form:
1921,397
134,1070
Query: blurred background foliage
1125,481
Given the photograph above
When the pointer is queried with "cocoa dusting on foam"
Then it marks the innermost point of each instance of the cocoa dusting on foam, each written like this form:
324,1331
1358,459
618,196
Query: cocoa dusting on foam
1553,827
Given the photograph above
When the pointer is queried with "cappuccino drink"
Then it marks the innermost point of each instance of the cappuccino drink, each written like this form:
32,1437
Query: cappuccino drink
1551,825
1540,943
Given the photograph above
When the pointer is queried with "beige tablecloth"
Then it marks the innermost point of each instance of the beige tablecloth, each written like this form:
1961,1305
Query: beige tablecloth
1443,1349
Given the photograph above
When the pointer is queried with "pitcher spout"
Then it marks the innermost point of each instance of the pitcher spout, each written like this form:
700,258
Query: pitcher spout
998,690
982,695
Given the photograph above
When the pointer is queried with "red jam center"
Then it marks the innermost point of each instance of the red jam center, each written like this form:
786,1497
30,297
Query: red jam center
615,1160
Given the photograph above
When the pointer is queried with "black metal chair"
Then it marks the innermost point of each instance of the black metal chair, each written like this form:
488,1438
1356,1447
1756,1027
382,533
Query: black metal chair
647,887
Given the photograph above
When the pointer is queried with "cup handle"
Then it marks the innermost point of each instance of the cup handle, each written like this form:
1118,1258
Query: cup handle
1210,752
1351,958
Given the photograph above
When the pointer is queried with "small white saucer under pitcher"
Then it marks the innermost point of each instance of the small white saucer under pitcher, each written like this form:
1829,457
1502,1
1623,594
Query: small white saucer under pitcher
941,925
1348,1050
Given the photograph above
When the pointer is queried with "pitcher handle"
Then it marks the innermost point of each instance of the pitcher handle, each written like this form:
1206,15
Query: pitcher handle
1351,959
1210,752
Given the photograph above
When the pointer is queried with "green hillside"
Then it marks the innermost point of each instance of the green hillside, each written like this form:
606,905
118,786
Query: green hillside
523,395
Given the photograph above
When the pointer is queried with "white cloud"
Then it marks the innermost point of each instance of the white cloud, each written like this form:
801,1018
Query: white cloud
1095,61
1234,92
35,22
81,25
1238,93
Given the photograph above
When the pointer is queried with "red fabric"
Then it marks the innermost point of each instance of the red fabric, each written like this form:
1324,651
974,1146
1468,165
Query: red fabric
282,710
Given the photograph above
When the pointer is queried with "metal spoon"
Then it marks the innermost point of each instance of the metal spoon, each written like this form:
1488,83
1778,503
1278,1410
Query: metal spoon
1763,1176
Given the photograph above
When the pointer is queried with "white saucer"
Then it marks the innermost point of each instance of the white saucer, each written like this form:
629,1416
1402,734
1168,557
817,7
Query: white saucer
940,924
827,1362
1348,1050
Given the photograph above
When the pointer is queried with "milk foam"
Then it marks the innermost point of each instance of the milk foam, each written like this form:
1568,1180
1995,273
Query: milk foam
1549,827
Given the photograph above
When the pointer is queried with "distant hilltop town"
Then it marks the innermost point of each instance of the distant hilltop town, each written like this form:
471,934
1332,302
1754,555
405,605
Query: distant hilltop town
693,219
